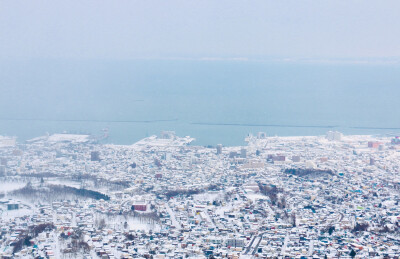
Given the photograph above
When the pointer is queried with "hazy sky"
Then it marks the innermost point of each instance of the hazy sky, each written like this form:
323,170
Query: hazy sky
202,28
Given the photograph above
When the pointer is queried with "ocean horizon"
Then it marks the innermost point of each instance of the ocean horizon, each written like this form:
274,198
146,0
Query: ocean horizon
216,102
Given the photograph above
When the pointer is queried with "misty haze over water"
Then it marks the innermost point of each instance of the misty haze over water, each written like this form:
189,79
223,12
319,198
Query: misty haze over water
212,101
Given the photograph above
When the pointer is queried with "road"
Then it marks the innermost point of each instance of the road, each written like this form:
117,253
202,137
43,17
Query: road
311,248
251,243
341,216
173,218
285,244
258,244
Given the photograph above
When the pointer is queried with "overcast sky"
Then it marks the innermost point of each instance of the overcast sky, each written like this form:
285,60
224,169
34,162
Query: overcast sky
194,29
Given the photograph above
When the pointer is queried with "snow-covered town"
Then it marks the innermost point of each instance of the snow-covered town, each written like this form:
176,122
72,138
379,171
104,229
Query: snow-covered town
331,196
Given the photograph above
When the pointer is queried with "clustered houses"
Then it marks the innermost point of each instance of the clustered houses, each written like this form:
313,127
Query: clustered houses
63,196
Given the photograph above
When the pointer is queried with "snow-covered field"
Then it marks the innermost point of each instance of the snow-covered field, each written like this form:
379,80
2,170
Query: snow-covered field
256,196
10,186
64,182
134,223
12,214
208,196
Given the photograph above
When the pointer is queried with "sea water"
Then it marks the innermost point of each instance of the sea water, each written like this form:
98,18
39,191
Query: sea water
212,101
